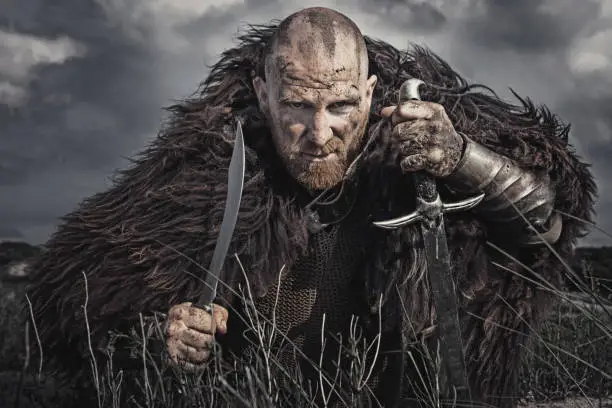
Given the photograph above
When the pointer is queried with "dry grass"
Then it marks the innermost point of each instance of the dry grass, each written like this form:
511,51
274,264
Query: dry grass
569,359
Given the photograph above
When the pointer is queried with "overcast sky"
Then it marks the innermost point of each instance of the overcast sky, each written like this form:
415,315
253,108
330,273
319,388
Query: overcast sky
83,82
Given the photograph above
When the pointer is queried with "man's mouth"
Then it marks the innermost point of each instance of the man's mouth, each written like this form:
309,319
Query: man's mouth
317,156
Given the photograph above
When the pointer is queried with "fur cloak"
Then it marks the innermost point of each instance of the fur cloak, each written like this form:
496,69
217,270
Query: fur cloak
140,242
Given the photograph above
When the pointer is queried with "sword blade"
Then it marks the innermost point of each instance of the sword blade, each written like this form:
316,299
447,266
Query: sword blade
235,184
444,296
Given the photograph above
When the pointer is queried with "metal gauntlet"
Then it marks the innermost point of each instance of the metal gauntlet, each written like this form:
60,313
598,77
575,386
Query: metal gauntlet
509,191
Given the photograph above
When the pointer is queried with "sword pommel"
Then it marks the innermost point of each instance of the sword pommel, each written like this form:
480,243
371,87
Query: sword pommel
410,90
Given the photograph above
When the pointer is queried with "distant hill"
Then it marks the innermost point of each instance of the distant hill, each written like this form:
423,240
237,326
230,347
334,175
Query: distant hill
15,251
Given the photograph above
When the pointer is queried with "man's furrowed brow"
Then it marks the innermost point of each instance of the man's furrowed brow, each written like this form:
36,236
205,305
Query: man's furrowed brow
291,94
306,82
288,94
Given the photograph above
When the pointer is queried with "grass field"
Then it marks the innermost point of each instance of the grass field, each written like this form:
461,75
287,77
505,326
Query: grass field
569,364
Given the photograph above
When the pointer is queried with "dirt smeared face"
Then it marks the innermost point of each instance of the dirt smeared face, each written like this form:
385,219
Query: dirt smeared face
317,99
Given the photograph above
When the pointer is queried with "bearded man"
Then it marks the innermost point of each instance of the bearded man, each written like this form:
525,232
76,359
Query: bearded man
328,153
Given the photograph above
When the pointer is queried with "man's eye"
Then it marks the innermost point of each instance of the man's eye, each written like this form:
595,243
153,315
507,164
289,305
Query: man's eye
341,106
295,105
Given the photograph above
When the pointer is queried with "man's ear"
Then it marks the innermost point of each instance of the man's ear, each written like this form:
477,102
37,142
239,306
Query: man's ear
261,91
371,83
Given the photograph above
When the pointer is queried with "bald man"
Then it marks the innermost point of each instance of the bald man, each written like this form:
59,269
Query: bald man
328,152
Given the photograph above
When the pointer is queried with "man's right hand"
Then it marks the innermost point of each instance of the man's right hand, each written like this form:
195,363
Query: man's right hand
190,333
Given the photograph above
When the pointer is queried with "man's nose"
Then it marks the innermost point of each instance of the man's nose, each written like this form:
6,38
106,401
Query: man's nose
321,131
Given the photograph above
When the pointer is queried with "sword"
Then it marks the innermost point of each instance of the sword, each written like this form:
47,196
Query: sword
430,214
235,183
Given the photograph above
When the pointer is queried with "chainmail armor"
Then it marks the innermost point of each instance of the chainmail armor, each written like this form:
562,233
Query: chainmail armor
318,283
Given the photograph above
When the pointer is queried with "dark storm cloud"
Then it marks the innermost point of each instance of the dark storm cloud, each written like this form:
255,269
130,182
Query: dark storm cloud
88,112
255,4
10,234
214,21
82,115
410,15
591,120
530,25
82,20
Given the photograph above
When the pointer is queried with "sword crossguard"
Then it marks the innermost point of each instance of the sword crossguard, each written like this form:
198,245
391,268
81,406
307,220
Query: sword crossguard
430,212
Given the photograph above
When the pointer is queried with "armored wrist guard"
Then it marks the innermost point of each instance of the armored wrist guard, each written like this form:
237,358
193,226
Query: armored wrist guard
509,192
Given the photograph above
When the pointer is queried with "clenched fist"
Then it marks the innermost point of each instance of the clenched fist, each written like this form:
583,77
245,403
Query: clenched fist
425,136
191,332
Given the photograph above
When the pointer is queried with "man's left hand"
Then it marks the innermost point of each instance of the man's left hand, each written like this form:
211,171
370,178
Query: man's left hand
425,136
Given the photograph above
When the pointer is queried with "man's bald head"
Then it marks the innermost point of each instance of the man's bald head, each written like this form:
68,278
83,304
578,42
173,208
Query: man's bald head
316,94
317,33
